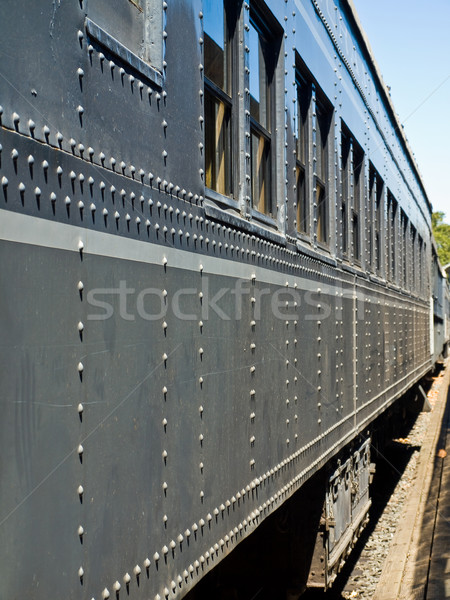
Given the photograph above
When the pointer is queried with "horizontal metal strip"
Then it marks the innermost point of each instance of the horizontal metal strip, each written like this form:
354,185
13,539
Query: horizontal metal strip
26,229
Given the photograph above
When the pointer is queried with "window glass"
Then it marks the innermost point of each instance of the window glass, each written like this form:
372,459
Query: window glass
345,197
358,164
323,117
301,112
262,58
259,79
302,205
260,173
218,98
217,144
322,214
215,39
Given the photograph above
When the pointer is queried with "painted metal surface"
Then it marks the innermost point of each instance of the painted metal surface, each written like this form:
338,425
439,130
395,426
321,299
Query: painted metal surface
172,372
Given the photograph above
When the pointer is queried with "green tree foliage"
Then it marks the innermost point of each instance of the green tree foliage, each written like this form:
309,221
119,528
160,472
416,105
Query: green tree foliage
441,232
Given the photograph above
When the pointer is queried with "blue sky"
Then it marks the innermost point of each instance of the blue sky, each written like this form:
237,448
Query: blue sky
410,40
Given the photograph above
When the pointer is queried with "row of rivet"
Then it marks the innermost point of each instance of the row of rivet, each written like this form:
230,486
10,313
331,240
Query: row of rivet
269,245
198,565
80,410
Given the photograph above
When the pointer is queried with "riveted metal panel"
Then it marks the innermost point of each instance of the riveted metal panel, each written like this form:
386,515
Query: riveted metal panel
172,372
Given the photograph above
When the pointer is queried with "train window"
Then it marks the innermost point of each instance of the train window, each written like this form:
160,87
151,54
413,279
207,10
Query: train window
352,160
358,189
303,99
404,248
420,271
391,236
263,56
218,97
323,121
345,188
413,263
131,30
376,217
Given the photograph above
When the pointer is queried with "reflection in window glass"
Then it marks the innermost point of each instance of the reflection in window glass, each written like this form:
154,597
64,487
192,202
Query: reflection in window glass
260,173
260,143
301,109
218,98
358,169
302,206
216,50
345,197
217,144
323,127
259,83
322,224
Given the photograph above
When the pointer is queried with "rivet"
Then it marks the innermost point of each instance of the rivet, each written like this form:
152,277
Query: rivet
137,570
80,572
80,245
80,490
127,578
22,188
16,118
4,181
80,408
80,449
116,586
156,557
147,563
80,531
105,594
80,367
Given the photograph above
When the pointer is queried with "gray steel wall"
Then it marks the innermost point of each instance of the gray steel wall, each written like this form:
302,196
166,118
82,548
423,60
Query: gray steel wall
165,423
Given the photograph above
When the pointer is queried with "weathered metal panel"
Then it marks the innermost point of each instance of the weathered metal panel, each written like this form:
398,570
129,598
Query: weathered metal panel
171,373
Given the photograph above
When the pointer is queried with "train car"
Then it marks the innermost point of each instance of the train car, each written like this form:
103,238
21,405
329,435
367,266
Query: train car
441,311
216,269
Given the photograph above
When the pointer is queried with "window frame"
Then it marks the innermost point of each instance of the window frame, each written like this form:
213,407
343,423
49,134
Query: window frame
101,27
323,111
302,149
267,38
228,197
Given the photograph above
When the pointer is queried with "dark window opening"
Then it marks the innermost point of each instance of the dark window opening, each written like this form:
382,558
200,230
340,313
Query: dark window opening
323,121
302,104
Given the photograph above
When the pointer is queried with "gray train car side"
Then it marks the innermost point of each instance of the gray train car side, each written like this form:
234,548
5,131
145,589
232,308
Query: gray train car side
207,294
